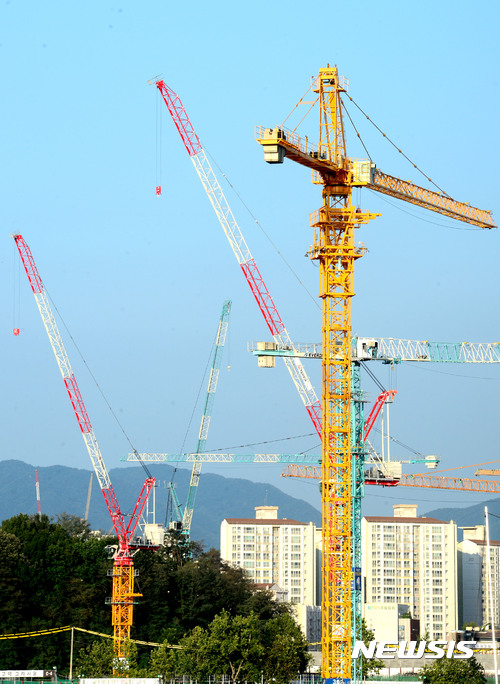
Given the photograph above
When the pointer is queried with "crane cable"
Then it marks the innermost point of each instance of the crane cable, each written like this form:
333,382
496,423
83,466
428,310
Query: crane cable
269,441
373,377
158,150
97,385
471,465
346,112
256,221
295,107
394,145
16,302
402,444
169,506
199,392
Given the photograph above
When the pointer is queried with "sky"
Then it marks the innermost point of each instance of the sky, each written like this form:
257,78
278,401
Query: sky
139,280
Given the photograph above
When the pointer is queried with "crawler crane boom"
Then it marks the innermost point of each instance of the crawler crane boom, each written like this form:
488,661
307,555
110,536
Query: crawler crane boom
334,248
240,249
207,414
123,571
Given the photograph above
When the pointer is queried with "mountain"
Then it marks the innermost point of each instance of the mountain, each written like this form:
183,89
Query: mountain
472,515
64,490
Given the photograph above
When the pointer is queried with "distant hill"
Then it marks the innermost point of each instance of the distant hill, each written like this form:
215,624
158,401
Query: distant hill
64,489
472,515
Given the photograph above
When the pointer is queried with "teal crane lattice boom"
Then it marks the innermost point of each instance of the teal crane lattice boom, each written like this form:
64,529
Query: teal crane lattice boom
207,414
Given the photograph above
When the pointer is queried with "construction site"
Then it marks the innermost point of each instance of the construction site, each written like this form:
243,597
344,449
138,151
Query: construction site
184,360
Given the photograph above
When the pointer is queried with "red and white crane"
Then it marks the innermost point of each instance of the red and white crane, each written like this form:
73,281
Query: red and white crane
383,397
123,571
240,250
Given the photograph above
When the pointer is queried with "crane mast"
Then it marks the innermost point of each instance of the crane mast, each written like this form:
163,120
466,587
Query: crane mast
240,248
335,249
123,571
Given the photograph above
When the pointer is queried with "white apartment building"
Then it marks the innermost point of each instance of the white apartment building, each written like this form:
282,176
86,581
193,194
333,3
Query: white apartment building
273,550
474,578
386,621
412,561
308,619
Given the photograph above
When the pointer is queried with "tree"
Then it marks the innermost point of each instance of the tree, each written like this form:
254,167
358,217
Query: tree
194,656
96,660
230,646
164,662
190,594
241,647
286,649
369,666
453,671
235,647
13,600
179,548
53,574
53,579
74,526
426,637
265,606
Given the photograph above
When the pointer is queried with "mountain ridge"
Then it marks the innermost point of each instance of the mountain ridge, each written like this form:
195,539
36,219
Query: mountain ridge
64,489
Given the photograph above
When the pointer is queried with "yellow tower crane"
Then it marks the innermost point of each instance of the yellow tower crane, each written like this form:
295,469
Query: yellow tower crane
335,250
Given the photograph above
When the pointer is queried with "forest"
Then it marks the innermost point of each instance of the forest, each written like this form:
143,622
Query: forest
54,573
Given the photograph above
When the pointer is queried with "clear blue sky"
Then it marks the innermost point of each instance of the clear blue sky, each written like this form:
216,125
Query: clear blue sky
140,280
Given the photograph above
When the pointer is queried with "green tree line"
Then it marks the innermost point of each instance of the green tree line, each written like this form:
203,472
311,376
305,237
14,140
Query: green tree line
54,574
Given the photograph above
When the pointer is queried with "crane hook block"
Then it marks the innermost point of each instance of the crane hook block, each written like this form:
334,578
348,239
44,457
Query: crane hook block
16,331
158,190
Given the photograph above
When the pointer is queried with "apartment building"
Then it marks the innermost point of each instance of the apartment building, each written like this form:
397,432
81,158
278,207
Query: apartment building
308,619
273,550
388,621
473,578
413,561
